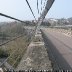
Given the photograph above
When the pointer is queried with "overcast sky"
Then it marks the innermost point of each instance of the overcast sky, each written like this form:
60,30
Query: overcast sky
19,9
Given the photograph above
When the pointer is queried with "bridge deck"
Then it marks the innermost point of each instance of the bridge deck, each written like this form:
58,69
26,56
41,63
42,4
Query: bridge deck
36,57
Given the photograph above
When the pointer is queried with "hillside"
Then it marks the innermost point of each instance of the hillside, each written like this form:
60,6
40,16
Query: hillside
59,22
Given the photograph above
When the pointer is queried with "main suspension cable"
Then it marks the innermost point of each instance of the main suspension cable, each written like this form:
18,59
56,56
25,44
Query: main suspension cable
1,14
45,11
41,5
44,4
31,9
37,6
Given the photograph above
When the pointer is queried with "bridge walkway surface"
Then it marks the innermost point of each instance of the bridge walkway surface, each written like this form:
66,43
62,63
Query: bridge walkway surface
36,57
60,46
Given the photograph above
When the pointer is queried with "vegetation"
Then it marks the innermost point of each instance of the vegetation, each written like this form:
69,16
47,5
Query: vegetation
15,49
3,53
45,24
3,36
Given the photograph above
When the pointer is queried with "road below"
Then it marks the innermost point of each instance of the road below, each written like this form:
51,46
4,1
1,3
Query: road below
60,47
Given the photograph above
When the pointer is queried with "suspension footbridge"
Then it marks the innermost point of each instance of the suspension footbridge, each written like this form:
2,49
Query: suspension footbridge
48,49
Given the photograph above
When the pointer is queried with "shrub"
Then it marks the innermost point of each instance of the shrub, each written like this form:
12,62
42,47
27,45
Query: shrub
3,53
